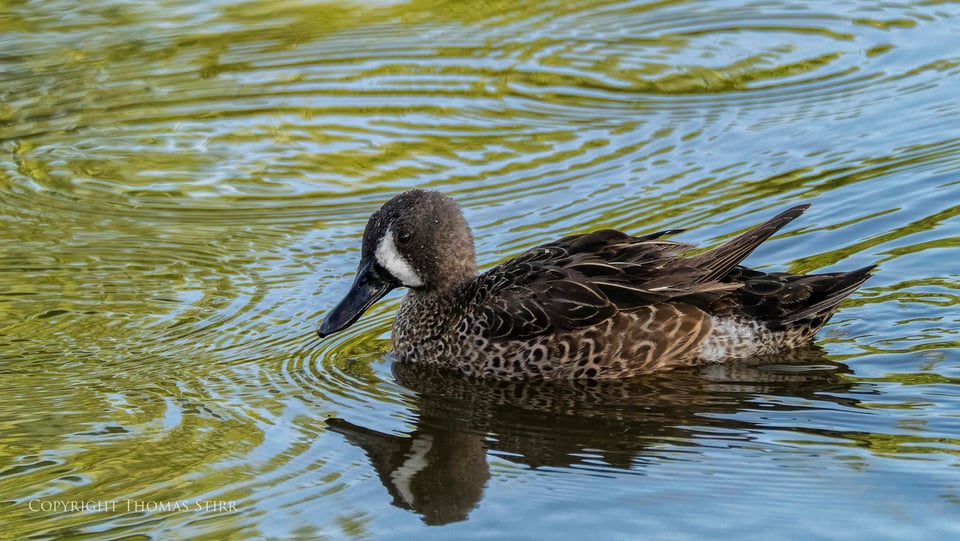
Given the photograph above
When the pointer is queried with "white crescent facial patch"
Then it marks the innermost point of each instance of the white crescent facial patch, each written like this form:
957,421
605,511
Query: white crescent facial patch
389,258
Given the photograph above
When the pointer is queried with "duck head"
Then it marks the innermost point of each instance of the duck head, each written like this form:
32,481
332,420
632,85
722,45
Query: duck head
419,240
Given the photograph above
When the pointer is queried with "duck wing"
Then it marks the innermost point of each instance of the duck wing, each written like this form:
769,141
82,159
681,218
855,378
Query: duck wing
583,280
719,261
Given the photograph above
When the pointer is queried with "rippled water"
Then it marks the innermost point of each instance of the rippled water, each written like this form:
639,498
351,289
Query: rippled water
182,190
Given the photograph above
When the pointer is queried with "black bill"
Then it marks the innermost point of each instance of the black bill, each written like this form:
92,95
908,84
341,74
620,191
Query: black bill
370,285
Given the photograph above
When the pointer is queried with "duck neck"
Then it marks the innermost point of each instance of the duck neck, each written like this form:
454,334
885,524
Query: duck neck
435,301
423,328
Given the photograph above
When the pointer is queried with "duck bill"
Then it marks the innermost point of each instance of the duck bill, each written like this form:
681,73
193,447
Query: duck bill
368,287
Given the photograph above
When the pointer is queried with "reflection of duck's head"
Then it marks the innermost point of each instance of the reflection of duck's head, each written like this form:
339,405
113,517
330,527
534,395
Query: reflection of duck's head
439,470
438,475
603,305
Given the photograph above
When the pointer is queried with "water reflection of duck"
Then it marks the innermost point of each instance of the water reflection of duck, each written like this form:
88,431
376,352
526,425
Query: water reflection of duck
600,306
439,470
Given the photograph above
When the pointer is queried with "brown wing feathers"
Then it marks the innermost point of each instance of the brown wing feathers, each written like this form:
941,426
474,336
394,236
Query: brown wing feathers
722,259
583,280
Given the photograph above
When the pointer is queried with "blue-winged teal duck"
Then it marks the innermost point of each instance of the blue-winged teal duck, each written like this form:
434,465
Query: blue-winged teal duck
599,305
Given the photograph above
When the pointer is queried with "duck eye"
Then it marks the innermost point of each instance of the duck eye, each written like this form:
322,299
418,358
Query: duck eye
404,237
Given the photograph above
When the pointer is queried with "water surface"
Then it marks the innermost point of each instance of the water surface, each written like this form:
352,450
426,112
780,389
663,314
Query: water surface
182,190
